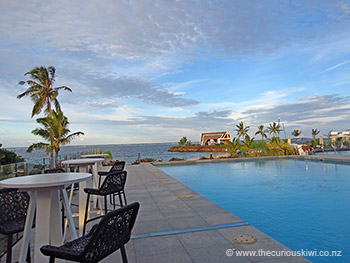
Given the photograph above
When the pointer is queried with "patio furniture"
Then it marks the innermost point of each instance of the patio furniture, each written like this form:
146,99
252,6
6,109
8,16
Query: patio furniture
13,212
83,166
117,167
113,184
111,234
45,191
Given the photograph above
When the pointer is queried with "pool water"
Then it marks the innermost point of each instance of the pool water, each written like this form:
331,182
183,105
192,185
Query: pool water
303,205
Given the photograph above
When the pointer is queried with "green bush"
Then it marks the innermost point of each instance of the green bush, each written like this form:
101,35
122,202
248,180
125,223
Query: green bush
176,159
259,145
147,160
7,157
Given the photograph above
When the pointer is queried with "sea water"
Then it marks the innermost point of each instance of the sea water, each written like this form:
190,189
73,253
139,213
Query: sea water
124,152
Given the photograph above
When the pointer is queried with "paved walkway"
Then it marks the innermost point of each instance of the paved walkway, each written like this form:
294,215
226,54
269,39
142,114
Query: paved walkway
165,206
327,157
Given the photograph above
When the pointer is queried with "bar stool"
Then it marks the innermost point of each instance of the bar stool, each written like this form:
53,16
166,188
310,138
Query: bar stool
13,213
113,184
111,234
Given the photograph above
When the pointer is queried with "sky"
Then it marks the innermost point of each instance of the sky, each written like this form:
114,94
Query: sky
146,71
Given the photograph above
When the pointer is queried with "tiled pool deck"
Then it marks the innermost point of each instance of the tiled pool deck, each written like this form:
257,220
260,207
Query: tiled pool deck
163,208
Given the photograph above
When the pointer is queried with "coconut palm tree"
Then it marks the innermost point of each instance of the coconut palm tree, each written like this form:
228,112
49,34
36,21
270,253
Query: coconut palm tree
55,131
241,130
314,133
234,145
248,143
182,141
274,129
41,89
261,131
296,133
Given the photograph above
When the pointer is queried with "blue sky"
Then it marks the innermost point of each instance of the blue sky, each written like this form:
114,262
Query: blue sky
155,71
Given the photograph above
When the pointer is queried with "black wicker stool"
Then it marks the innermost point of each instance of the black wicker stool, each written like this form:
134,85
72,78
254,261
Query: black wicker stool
111,234
13,212
117,167
113,184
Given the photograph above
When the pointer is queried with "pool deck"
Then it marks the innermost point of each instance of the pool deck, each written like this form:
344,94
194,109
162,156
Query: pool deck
176,224
327,157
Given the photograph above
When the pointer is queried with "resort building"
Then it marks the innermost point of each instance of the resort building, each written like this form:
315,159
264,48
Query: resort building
210,138
344,135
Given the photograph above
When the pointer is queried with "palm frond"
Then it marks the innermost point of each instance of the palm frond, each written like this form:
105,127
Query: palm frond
52,71
64,87
39,103
37,146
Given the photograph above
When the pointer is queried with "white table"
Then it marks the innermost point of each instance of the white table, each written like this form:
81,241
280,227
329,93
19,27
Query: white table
44,190
84,165
96,155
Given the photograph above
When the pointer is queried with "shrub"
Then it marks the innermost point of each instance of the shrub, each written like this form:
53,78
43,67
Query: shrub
7,157
147,160
259,145
110,163
176,159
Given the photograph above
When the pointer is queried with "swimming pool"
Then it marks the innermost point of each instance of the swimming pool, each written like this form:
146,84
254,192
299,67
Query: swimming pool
304,205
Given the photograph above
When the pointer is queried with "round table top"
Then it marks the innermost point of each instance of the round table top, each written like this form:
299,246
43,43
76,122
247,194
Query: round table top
83,161
44,180
96,155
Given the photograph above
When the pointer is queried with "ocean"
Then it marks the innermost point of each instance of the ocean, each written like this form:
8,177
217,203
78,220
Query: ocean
123,152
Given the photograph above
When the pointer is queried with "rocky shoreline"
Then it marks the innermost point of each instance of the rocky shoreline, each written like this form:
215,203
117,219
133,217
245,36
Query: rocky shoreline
199,148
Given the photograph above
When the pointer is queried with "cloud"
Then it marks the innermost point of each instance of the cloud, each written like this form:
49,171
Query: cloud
139,30
214,114
316,111
113,88
322,112
336,66
200,122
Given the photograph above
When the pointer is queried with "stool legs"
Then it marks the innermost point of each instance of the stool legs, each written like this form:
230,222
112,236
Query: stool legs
86,213
9,249
122,251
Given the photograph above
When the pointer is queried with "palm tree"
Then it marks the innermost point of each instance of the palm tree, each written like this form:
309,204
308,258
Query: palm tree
314,133
261,131
234,145
55,132
241,130
41,89
248,142
182,141
274,129
296,133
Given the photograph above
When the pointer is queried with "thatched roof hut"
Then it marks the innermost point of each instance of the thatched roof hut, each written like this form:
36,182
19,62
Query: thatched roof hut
217,137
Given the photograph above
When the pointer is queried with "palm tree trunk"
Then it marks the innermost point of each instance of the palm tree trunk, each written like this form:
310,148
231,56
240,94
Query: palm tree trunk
52,165
56,157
